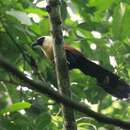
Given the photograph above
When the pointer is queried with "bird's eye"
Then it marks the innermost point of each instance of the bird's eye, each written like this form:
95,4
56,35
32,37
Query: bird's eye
40,40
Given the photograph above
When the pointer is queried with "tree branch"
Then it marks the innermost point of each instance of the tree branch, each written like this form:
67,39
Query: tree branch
45,88
60,62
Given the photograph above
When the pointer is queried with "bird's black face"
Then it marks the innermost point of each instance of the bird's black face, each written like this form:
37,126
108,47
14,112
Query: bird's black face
38,42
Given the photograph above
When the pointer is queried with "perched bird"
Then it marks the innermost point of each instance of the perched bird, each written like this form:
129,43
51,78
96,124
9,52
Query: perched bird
109,81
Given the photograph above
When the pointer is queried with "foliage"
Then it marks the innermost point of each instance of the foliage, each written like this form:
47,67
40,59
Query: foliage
99,28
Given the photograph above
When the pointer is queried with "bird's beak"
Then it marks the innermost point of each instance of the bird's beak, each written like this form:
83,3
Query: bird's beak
34,44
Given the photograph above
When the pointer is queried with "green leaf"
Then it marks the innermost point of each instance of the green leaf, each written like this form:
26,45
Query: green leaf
21,16
101,4
36,11
43,120
15,107
121,21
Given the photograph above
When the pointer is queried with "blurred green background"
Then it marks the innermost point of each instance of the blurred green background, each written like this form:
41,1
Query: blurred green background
100,29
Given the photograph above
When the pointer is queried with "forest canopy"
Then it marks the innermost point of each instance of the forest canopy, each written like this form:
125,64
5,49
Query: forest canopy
99,29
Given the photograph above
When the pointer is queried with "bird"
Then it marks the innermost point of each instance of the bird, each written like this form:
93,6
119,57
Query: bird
106,79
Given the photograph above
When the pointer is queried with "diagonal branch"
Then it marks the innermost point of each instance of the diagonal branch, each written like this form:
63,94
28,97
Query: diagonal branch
45,88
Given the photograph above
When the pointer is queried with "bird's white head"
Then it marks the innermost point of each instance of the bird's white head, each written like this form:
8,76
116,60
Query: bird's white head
43,41
46,44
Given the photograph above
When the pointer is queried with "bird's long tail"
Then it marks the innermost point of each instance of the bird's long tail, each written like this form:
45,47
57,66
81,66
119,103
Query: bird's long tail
110,82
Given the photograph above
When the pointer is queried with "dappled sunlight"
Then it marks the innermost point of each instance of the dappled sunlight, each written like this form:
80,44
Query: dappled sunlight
73,16
112,61
96,34
99,30
35,17
93,46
